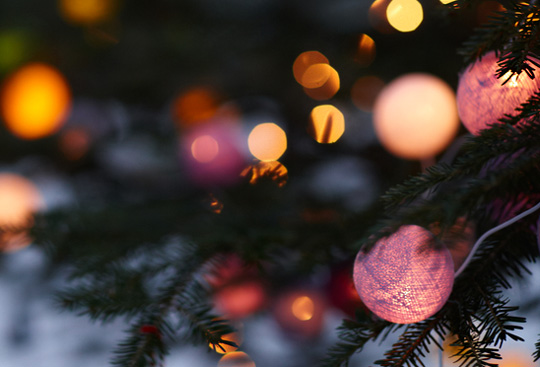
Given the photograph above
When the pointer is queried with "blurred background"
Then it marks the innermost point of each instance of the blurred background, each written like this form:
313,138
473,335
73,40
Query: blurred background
108,100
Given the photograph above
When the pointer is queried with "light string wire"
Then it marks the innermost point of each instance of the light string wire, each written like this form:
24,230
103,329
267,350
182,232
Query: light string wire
490,232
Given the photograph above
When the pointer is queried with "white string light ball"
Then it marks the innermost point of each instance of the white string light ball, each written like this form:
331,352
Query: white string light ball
405,278
415,116
482,98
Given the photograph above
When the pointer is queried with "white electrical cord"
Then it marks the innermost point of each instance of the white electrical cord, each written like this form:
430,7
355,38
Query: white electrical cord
490,232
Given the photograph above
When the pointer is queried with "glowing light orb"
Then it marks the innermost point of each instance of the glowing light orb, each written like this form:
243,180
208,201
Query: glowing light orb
35,101
204,148
19,200
481,97
321,82
404,278
327,124
273,170
415,116
267,142
300,312
304,61
236,359
405,15
365,53
87,12
365,91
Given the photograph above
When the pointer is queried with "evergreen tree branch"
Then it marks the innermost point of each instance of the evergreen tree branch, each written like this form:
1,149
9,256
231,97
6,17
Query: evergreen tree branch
497,322
414,343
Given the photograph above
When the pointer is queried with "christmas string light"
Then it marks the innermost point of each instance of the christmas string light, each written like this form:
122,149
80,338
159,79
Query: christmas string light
404,278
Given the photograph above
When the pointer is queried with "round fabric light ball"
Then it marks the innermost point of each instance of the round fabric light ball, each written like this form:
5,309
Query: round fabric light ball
482,99
404,278
415,116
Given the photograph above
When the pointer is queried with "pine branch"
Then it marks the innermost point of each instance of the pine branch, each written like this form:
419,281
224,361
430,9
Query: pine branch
144,347
353,336
472,352
414,343
104,303
497,322
514,33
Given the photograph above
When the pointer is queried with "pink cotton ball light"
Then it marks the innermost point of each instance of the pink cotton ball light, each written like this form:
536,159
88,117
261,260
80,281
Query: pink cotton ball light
482,99
404,278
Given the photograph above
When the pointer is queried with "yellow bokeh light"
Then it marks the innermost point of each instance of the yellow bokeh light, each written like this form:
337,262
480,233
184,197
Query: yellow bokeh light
204,149
303,308
35,101
273,170
327,124
321,82
304,61
87,12
19,200
236,359
365,53
405,15
223,348
267,142
445,2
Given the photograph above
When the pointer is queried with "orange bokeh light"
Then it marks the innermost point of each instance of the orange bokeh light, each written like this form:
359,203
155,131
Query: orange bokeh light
300,312
303,308
236,359
327,124
304,61
204,149
35,101
273,170
196,105
19,200
87,12
365,90
267,142
321,82
365,53
223,348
